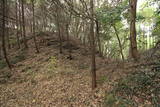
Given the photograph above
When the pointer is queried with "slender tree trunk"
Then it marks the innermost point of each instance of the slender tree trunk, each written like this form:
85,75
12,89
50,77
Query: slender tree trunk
93,61
119,41
59,35
3,35
98,38
43,26
59,30
88,35
24,28
60,39
20,21
68,42
134,50
34,33
0,51
7,22
31,29
77,22
62,31
79,28
17,35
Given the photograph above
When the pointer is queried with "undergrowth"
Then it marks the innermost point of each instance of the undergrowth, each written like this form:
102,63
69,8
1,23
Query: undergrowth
52,63
18,58
15,59
2,64
138,88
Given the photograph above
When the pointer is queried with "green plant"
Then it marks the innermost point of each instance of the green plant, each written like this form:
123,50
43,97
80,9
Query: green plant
102,79
140,86
111,100
13,40
52,63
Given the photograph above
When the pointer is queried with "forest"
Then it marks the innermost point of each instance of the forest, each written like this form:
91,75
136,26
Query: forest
79,53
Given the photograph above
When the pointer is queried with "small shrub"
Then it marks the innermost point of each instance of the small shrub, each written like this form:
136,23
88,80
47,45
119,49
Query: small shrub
102,79
13,41
109,100
113,101
52,63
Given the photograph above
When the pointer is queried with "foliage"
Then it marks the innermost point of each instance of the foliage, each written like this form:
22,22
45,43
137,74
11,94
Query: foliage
18,58
140,86
113,101
109,16
156,31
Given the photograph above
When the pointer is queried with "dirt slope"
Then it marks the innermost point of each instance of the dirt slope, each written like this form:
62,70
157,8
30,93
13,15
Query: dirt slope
49,79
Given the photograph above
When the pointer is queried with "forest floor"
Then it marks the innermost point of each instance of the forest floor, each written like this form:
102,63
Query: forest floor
50,79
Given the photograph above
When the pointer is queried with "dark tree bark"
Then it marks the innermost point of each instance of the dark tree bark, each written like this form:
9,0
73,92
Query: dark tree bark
23,24
68,42
34,34
68,39
98,38
3,34
31,26
93,61
133,40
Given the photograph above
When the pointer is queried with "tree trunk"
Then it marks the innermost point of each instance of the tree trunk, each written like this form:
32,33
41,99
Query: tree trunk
93,62
0,51
68,39
134,50
7,22
24,28
20,20
31,29
18,42
34,34
3,35
98,38
68,42
60,39
119,41
59,29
